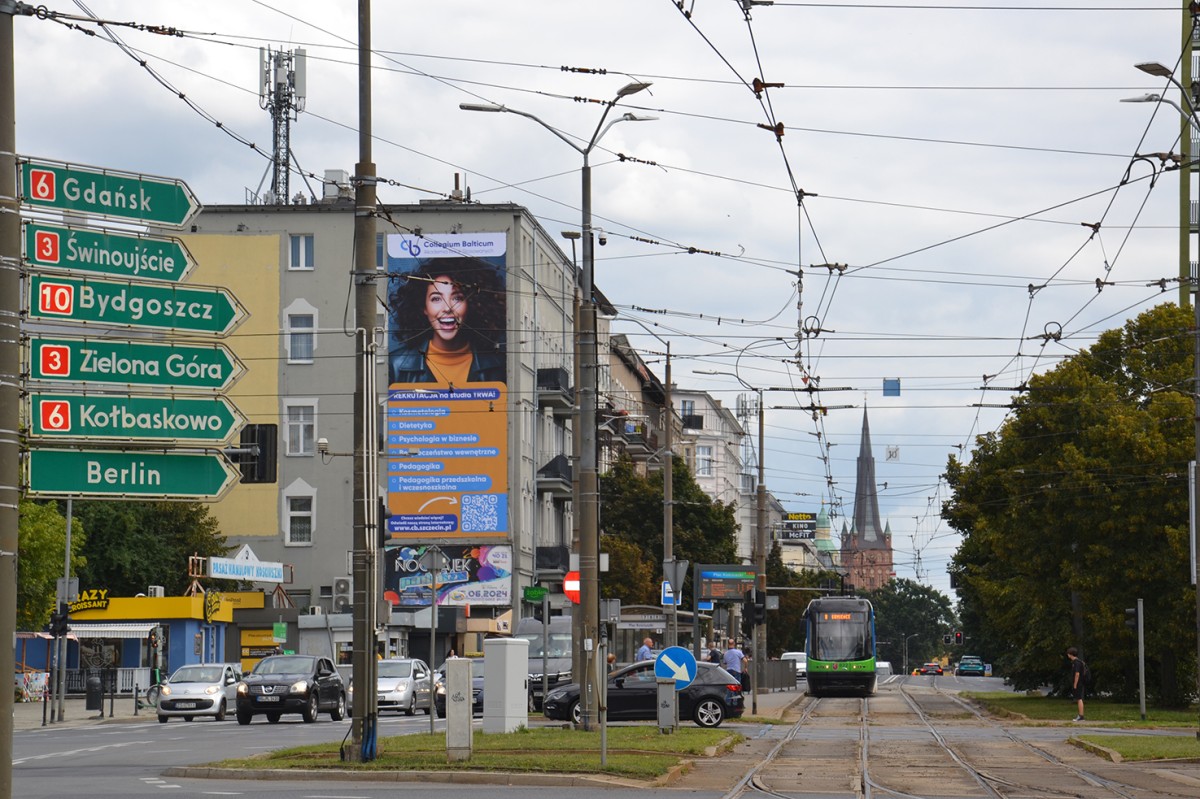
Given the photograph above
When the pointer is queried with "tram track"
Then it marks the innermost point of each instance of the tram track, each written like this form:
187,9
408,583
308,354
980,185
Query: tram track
916,745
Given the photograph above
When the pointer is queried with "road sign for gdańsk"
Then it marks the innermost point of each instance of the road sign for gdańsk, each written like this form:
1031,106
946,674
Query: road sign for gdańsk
105,192
106,252
158,306
140,474
116,417
134,363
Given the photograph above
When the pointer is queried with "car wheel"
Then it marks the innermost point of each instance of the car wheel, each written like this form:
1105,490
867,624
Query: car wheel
441,712
244,717
709,713
273,718
162,719
575,712
339,710
220,711
412,706
428,710
310,710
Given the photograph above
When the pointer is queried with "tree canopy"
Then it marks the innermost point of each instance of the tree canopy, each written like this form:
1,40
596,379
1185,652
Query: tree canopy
41,553
907,610
1077,506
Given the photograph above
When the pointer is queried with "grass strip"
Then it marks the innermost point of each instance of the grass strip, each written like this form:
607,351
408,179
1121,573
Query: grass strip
1148,747
1045,708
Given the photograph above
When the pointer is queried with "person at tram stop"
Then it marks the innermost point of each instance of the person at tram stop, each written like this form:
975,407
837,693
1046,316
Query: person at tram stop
646,650
448,324
735,660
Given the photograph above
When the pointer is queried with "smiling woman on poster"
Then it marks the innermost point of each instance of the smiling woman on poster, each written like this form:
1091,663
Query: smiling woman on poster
448,324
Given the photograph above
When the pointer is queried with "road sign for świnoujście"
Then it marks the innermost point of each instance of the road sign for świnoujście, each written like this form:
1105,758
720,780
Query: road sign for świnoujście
158,306
106,252
105,192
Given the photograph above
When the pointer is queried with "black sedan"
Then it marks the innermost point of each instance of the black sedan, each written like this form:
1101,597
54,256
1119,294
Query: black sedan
439,696
304,684
931,668
712,697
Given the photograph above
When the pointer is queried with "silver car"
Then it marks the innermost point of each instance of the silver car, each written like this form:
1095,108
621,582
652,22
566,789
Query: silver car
403,684
200,689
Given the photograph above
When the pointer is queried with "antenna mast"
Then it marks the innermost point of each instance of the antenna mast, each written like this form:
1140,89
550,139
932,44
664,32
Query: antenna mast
282,88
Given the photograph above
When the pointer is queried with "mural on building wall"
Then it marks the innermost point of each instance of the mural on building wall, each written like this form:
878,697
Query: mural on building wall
474,576
447,419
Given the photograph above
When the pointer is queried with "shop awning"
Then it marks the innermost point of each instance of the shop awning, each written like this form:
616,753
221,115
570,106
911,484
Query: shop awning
133,629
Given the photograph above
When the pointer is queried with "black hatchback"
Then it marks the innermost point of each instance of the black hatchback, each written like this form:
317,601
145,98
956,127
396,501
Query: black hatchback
712,697
304,684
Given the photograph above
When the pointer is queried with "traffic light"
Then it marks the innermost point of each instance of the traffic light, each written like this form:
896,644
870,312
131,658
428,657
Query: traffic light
760,607
958,637
946,639
748,611
154,639
1131,618
58,626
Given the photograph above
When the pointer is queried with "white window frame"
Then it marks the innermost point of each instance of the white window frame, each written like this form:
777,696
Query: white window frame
301,252
298,490
302,451
704,460
294,332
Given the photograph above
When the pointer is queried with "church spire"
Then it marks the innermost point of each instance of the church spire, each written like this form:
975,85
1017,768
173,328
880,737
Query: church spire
866,496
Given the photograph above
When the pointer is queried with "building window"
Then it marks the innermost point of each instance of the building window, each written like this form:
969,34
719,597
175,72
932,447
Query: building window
704,461
380,251
302,251
301,330
299,521
687,407
301,429
259,443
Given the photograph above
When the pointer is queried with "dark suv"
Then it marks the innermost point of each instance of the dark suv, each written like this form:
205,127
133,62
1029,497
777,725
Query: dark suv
304,684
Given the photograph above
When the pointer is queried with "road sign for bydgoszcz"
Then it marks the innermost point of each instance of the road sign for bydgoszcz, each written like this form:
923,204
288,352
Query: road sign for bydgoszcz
105,192
106,252
158,306
678,664
187,420
135,363
144,475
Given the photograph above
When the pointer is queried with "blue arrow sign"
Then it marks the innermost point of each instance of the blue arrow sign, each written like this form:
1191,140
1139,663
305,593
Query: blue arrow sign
678,664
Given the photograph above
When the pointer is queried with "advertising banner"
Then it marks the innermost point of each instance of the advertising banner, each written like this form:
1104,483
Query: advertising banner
447,410
798,527
474,576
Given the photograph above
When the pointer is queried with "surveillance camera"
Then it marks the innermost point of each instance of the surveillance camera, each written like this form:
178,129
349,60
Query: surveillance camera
322,445
603,239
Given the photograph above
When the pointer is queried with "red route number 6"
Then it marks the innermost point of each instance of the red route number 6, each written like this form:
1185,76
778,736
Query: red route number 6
42,186
55,415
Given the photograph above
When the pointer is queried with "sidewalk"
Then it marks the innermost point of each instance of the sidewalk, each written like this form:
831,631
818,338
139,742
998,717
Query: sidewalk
29,715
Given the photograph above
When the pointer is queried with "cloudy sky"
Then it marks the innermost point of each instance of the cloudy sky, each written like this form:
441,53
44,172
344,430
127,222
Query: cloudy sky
966,174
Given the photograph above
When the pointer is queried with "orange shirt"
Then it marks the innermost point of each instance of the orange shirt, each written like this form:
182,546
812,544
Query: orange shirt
451,367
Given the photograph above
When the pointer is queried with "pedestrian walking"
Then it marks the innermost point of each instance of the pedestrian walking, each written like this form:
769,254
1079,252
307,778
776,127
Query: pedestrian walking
1079,672
646,651
735,660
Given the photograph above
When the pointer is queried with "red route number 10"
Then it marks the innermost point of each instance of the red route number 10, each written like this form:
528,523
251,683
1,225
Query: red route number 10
56,298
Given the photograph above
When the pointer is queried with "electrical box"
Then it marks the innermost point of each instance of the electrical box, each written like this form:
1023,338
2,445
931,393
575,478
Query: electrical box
505,684
666,705
459,731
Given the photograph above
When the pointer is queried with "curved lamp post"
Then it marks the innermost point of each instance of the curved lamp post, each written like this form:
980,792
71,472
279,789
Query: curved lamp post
589,492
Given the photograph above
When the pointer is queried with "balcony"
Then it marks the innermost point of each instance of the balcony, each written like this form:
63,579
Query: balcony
693,421
640,442
554,389
555,478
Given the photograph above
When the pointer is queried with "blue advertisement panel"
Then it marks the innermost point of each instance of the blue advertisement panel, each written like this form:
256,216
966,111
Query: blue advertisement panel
474,576
447,410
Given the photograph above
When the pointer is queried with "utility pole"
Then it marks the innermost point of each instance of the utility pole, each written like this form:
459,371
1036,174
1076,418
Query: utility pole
760,565
366,486
669,507
10,294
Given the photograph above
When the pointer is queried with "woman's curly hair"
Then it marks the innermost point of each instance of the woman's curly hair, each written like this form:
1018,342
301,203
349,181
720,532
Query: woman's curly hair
486,321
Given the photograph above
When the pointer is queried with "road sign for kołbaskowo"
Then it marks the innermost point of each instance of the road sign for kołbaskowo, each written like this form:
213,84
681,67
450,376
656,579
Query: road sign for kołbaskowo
678,664
192,420
145,475
197,366
105,192
106,252
159,306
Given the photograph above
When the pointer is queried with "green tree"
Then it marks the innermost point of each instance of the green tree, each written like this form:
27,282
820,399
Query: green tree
786,626
132,545
1077,506
908,610
41,550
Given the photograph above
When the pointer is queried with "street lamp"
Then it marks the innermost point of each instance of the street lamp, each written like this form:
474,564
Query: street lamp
589,490
914,635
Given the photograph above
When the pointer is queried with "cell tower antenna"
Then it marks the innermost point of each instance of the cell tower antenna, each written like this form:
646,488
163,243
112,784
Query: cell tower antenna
282,87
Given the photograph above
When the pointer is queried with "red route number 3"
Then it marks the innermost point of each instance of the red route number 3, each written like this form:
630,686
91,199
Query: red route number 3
45,242
55,415
55,360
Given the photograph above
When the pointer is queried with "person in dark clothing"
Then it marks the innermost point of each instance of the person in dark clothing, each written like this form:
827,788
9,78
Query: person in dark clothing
1078,683
448,324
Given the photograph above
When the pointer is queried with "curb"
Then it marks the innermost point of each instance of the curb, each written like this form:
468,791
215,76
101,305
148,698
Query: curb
1096,749
452,777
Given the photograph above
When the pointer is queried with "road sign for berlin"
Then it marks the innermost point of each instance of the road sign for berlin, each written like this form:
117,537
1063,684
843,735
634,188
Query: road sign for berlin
138,363
141,474
106,252
158,306
115,417
105,192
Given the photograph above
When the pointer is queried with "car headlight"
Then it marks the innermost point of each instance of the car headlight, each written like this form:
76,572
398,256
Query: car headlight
299,686
441,689
212,689
242,689
166,690
556,696
401,686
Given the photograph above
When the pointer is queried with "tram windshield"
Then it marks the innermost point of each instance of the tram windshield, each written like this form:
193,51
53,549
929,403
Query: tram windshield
842,635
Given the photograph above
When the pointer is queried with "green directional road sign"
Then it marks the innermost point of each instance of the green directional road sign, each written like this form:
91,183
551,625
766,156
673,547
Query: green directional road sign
105,252
186,420
132,363
142,475
105,192
157,306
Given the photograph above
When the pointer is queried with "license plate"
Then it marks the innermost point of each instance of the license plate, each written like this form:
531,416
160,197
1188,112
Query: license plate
268,699
185,705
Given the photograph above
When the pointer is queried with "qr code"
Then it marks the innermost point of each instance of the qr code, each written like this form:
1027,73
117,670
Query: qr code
482,513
